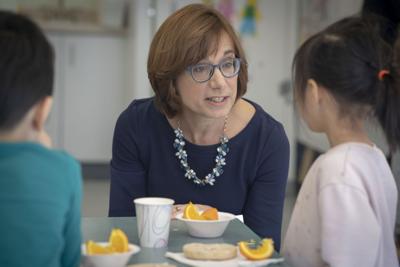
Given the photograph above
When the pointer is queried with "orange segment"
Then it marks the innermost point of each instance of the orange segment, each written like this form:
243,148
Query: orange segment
191,212
118,240
93,248
263,251
210,214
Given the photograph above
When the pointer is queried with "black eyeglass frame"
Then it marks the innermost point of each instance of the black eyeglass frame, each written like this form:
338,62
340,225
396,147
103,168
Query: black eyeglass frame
236,62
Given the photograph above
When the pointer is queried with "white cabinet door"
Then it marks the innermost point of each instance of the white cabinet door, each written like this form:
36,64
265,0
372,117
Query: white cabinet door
90,91
55,122
94,91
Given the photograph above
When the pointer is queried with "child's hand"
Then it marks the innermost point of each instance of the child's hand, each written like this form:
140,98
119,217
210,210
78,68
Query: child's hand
44,139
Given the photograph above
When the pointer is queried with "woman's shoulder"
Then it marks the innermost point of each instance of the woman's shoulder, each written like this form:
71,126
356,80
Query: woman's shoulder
139,121
264,118
140,106
139,112
261,123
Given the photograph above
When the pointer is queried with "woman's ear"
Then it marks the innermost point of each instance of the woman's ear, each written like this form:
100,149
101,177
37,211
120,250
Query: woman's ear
41,112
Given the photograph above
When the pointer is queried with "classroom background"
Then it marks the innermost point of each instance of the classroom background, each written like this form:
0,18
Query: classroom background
101,53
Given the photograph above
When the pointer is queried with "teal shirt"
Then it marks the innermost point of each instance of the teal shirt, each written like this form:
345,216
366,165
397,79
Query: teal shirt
40,207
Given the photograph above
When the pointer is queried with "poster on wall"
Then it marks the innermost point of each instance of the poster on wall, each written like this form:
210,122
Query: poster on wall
250,15
244,15
227,8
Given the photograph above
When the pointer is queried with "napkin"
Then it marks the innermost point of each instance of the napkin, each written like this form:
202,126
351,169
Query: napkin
236,262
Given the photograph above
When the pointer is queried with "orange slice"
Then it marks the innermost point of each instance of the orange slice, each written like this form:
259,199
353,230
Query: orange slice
263,251
191,212
93,248
118,240
210,214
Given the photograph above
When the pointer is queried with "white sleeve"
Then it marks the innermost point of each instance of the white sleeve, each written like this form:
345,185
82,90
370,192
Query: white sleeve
350,233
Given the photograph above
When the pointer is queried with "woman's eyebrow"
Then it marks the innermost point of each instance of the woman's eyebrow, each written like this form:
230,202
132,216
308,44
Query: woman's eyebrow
227,52
230,51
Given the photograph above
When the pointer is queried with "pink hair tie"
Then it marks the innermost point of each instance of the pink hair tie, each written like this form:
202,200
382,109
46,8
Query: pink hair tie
382,74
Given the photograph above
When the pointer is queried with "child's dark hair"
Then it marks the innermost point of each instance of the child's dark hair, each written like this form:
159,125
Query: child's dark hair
358,68
389,12
26,67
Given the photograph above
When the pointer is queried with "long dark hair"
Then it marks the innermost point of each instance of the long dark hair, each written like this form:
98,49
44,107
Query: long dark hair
389,11
359,69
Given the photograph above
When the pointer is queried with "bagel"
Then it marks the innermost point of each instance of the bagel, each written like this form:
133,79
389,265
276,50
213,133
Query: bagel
216,252
151,265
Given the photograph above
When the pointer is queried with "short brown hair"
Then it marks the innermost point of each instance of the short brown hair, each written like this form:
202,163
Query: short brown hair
185,38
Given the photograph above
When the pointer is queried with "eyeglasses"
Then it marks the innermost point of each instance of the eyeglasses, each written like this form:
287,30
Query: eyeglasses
204,71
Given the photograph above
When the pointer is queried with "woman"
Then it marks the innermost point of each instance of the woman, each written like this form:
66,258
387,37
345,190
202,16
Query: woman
197,139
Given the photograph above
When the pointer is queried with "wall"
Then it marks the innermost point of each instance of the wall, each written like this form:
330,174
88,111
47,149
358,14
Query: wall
269,55
140,33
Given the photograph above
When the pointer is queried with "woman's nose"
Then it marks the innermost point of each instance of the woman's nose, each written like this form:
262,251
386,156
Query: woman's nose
217,79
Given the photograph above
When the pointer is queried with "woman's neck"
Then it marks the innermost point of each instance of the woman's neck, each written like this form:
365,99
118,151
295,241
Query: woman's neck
201,131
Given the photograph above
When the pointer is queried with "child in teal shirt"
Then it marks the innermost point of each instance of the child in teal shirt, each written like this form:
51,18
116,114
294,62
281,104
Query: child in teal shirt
40,188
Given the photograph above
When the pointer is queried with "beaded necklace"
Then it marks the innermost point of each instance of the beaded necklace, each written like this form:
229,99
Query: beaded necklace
190,174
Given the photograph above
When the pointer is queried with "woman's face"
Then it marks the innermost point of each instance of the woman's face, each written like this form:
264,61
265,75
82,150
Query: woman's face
215,97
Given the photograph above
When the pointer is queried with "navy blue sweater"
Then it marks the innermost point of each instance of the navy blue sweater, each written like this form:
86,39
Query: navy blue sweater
254,179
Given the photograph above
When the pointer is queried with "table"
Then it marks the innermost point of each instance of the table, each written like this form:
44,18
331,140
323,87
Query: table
98,229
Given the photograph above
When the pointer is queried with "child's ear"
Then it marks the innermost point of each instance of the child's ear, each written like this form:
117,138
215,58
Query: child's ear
42,111
313,91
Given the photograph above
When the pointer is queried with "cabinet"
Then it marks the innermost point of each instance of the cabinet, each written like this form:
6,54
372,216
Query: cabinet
89,93
90,88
